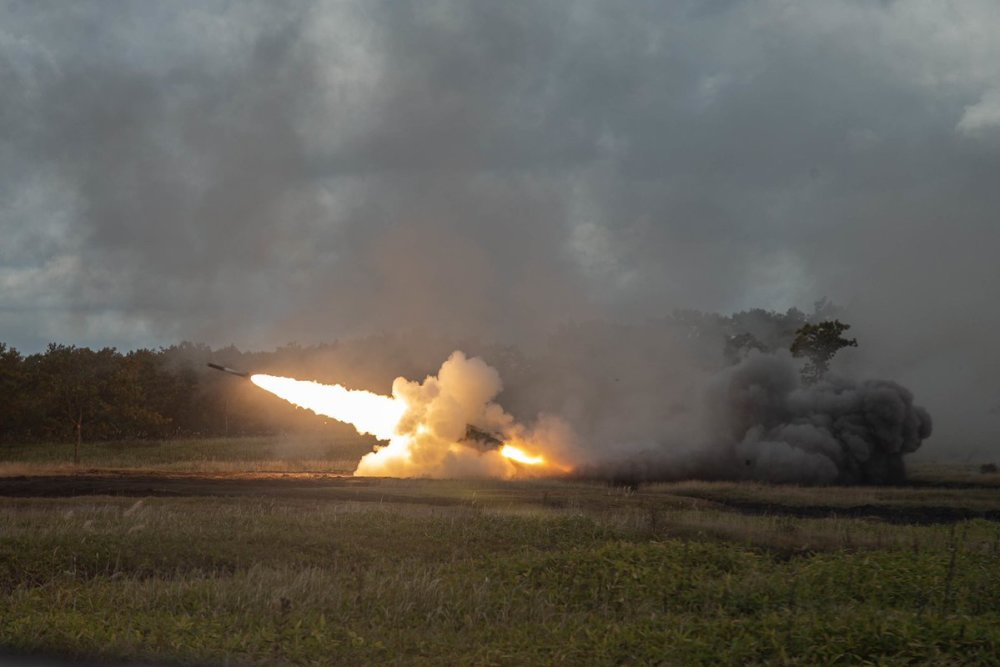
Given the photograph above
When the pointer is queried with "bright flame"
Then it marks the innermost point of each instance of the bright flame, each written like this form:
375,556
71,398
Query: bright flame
517,454
367,412
425,425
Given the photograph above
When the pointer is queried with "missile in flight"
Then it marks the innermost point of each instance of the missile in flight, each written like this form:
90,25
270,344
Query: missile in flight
227,369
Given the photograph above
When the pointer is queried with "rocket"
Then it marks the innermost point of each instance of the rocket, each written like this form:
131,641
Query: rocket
227,369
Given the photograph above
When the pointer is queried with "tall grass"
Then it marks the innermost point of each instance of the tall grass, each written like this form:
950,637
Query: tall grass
505,576
278,453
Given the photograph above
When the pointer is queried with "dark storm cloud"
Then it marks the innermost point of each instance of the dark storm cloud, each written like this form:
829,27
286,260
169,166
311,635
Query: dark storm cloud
262,172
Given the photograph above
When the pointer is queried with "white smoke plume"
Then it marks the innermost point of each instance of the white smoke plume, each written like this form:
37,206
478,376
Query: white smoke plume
439,412
446,426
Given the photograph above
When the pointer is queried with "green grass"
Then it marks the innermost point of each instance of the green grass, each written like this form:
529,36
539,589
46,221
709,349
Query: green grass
512,578
275,453
955,473
484,572
976,498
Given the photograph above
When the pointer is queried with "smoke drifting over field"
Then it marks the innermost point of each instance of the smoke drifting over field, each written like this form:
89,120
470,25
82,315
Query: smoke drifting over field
663,402
766,425
757,421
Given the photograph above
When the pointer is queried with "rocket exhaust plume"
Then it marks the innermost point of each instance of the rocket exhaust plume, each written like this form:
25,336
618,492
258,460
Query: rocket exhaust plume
445,426
370,414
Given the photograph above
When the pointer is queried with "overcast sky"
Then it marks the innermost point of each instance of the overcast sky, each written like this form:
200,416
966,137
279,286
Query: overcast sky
265,172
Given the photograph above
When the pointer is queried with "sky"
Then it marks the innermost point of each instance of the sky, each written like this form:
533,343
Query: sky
264,172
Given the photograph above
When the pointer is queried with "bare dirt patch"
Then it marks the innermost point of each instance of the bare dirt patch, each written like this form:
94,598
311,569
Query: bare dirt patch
332,486
179,484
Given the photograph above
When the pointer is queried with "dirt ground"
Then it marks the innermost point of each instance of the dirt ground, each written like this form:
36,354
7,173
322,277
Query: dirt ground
144,484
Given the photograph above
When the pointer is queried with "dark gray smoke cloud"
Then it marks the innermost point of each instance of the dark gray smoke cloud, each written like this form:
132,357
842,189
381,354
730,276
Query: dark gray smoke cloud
659,402
261,172
768,426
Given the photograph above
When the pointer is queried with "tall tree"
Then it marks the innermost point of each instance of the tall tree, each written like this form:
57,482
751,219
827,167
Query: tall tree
819,343
12,395
75,387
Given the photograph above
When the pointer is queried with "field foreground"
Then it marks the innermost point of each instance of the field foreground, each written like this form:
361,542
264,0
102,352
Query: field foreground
308,568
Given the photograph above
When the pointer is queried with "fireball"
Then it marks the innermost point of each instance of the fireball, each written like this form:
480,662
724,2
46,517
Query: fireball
424,426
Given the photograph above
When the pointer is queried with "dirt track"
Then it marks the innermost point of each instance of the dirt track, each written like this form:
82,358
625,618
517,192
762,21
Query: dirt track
328,486
276,485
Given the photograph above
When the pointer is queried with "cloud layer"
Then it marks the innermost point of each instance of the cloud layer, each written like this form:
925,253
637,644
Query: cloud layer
265,172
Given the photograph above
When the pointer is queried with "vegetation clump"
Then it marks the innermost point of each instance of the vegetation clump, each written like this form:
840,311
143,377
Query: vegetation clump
818,343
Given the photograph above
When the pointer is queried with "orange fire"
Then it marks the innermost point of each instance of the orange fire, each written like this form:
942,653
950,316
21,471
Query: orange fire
423,424
517,454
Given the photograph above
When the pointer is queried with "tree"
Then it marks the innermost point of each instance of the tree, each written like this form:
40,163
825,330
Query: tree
819,343
140,392
74,387
12,395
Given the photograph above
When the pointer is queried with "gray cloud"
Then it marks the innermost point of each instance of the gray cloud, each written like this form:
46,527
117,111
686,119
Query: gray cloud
263,172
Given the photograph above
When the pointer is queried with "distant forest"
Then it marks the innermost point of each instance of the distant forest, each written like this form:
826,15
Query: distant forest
69,393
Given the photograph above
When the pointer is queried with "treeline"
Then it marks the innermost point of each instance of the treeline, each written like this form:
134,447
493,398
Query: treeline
69,393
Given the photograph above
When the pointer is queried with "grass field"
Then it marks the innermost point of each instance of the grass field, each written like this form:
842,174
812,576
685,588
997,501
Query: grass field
486,572
275,453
